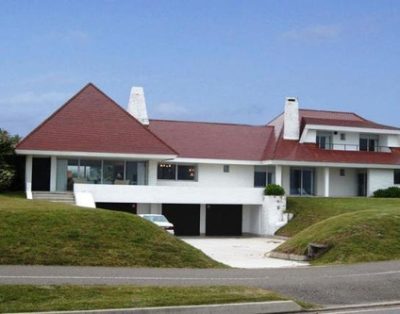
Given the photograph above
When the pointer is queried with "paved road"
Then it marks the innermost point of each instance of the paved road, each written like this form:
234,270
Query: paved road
372,310
331,285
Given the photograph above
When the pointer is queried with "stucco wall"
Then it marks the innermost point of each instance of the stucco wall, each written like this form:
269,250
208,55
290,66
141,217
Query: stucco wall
379,179
342,185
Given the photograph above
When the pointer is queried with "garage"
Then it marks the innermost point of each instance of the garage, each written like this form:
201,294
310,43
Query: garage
123,207
224,220
184,217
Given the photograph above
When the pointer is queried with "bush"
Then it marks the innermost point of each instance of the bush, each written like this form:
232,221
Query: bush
392,192
7,174
274,189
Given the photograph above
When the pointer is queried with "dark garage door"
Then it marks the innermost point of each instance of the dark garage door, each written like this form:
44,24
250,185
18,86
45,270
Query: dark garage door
40,174
123,207
224,220
184,217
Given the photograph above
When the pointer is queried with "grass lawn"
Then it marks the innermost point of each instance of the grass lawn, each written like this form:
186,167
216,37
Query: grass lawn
25,298
310,210
357,236
45,233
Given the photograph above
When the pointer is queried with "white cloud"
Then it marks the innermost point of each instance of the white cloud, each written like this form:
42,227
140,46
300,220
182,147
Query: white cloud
170,110
315,32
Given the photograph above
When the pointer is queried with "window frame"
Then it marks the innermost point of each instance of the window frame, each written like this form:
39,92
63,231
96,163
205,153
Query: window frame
396,176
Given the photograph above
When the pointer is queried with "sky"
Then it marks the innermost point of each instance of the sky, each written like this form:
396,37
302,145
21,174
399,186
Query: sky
209,60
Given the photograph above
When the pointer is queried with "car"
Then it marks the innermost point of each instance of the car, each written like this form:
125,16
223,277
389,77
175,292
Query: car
159,220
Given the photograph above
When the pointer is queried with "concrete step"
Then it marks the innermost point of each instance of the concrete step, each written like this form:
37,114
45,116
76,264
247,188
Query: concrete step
59,197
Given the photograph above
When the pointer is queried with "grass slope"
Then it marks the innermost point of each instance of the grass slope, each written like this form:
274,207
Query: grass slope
310,210
22,298
360,236
45,233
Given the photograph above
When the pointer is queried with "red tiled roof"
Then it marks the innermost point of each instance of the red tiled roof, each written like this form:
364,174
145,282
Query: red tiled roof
93,122
214,140
350,123
294,151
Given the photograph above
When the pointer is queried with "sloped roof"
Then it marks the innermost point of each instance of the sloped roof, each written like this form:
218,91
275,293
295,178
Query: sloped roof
92,122
214,140
290,150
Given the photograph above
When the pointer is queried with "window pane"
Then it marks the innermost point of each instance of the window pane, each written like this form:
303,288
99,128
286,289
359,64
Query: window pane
260,179
72,172
166,171
186,172
113,170
90,170
295,181
397,177
363,144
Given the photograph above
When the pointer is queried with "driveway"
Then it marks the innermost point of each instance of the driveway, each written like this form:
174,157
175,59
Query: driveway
242,252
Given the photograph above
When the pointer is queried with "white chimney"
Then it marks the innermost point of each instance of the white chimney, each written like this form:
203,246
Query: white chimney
291,126
137,105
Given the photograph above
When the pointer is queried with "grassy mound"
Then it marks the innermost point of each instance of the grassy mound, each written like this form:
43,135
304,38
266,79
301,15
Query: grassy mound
45,233
361,236
310,210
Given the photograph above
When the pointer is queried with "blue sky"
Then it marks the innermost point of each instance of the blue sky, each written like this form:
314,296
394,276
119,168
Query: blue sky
228,61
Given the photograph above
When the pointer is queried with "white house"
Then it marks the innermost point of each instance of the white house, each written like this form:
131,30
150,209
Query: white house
207,178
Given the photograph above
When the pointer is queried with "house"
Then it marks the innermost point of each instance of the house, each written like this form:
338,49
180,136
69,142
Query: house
207,178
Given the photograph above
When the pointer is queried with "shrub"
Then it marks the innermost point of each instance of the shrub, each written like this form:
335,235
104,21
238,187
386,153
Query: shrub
6,176
392,192
274,189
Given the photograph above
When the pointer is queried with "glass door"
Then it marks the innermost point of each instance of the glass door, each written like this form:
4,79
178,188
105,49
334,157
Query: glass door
302,181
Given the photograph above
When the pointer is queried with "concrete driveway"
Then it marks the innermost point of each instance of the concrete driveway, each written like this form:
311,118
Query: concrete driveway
241,252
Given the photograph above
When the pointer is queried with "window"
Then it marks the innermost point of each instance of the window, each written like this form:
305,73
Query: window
90,170
324,140
113,170
186,172
368,143
166,171
397,176
136,172
176,172
226,168
302,181
260,179
342,136
342,172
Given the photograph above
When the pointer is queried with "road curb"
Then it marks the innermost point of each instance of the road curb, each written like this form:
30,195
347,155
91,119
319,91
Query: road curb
352,307
239,308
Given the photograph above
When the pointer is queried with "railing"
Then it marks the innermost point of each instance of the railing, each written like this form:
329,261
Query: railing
354,147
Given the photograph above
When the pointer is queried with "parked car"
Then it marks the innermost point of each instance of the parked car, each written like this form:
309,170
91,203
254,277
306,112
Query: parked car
159,220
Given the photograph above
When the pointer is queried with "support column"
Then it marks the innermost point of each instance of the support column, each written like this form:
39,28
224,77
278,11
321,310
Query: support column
152,173
326,182
53,174
278,175
202,219
28,176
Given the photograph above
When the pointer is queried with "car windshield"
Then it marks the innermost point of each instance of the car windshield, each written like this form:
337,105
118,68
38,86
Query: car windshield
156,218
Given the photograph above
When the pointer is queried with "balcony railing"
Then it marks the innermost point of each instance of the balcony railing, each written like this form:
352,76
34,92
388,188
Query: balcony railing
354,147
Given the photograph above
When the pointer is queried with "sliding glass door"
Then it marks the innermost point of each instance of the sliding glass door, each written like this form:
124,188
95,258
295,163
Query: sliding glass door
302,181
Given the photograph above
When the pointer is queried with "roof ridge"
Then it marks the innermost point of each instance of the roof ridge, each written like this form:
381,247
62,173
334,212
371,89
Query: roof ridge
332,111
207,122
54,113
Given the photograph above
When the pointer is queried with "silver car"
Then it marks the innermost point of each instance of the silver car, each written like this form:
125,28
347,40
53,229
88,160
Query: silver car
159,220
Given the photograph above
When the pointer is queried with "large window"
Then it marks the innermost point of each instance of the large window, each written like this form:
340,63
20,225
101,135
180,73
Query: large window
262,176
324,140
113,171
302,181
167,171
368,142
397,176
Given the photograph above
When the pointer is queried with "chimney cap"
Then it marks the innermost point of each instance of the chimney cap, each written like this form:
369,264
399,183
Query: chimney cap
292,99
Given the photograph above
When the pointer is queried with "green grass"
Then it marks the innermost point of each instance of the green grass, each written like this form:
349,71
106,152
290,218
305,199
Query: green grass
310,210
357,236
23,298
45,233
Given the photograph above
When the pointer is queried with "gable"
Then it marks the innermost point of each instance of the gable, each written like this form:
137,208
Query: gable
93,122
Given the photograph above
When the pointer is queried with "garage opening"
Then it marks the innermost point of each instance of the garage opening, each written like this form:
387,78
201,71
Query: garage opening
184,217
122,207
224,220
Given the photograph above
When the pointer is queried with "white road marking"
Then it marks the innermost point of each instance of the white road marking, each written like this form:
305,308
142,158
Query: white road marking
127,278
366,274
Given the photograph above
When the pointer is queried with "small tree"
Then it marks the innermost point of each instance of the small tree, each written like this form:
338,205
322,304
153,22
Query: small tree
7,150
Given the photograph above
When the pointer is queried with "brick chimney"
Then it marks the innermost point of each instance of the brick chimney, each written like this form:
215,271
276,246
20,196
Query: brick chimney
137,105
291,126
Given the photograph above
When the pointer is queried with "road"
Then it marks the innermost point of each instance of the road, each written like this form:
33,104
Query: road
328,285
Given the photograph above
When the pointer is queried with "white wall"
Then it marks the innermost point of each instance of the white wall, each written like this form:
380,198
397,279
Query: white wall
213,175
109,193
379,179
311,136
286,179
319,181
343,186
351,142
251,222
